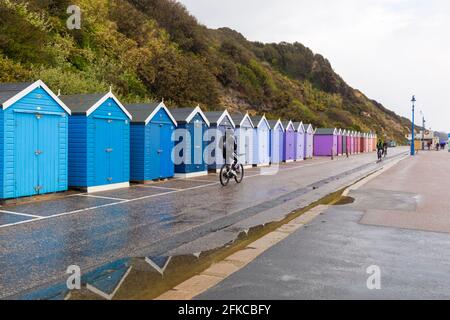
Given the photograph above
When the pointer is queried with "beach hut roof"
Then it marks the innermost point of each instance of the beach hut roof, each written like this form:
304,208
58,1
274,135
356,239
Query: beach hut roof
216,117
299,127
326,131
185,115
309,128
258,120
274,123
144,112
10,93
239,119
287,124
87,103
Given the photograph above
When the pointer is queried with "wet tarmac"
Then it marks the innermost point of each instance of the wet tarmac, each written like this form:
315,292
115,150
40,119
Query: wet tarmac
39,240
397,222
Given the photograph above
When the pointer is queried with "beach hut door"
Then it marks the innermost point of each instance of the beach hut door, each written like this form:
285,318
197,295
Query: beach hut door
36,153
198,141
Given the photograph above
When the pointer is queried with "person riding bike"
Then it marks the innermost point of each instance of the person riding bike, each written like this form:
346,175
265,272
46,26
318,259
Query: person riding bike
229,149
380,149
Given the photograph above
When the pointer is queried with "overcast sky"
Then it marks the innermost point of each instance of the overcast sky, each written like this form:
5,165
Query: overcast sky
389,49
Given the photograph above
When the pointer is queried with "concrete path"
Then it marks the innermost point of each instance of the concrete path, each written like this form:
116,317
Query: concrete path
399,222
39,240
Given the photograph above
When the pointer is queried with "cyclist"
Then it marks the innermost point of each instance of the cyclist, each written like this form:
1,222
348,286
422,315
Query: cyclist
229,149
380,149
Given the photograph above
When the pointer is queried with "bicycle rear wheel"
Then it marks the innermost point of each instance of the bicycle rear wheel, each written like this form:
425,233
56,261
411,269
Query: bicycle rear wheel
224,175
239,173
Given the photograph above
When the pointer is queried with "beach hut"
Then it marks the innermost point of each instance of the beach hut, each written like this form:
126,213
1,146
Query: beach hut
325,142
372,142
348,142
309,141
289,142
344,141
367,145
188,154
361,142
339,142
99,142
352,142
357,142
151,142
261,141
276,141
221,125
299,141
33,146
244,138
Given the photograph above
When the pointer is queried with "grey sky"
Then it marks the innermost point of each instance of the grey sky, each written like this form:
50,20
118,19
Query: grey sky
389,49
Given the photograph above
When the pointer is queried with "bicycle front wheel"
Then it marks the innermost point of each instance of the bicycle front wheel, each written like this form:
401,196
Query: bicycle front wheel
225,175
239,173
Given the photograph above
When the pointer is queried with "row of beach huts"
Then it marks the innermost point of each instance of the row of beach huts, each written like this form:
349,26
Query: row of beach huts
52,142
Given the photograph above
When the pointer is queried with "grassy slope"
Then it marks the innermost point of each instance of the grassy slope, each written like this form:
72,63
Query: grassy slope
150,49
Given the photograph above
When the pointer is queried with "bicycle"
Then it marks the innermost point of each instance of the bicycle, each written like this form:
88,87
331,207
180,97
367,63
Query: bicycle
380,155
227,172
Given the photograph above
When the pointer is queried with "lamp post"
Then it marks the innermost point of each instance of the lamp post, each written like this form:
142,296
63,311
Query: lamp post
413,152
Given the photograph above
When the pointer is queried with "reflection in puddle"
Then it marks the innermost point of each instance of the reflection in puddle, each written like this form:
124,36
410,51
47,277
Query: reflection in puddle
159,263
106,280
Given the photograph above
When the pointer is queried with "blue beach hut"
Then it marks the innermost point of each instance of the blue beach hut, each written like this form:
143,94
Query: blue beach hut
33,146
261,141
151,142
221,124
276,141
309,141
244,138
99,142
189,141
299,141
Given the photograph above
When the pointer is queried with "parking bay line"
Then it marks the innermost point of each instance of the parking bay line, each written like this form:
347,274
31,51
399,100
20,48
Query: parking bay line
21,214
99,197
158,187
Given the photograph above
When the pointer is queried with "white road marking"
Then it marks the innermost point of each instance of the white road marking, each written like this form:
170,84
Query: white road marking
158,187
194,180
37,218
100,197
20,214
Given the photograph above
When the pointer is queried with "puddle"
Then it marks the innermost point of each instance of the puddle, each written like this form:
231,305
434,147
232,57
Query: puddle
343,201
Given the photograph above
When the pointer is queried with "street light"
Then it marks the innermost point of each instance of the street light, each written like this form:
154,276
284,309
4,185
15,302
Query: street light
413,152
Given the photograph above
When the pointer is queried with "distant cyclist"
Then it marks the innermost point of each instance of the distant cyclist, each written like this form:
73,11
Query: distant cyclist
380,149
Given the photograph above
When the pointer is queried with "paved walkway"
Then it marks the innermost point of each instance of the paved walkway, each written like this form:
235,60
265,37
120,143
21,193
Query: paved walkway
398,222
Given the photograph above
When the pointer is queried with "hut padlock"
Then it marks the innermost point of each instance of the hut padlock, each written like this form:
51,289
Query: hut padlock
109,179
38,152
160,150
109,150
